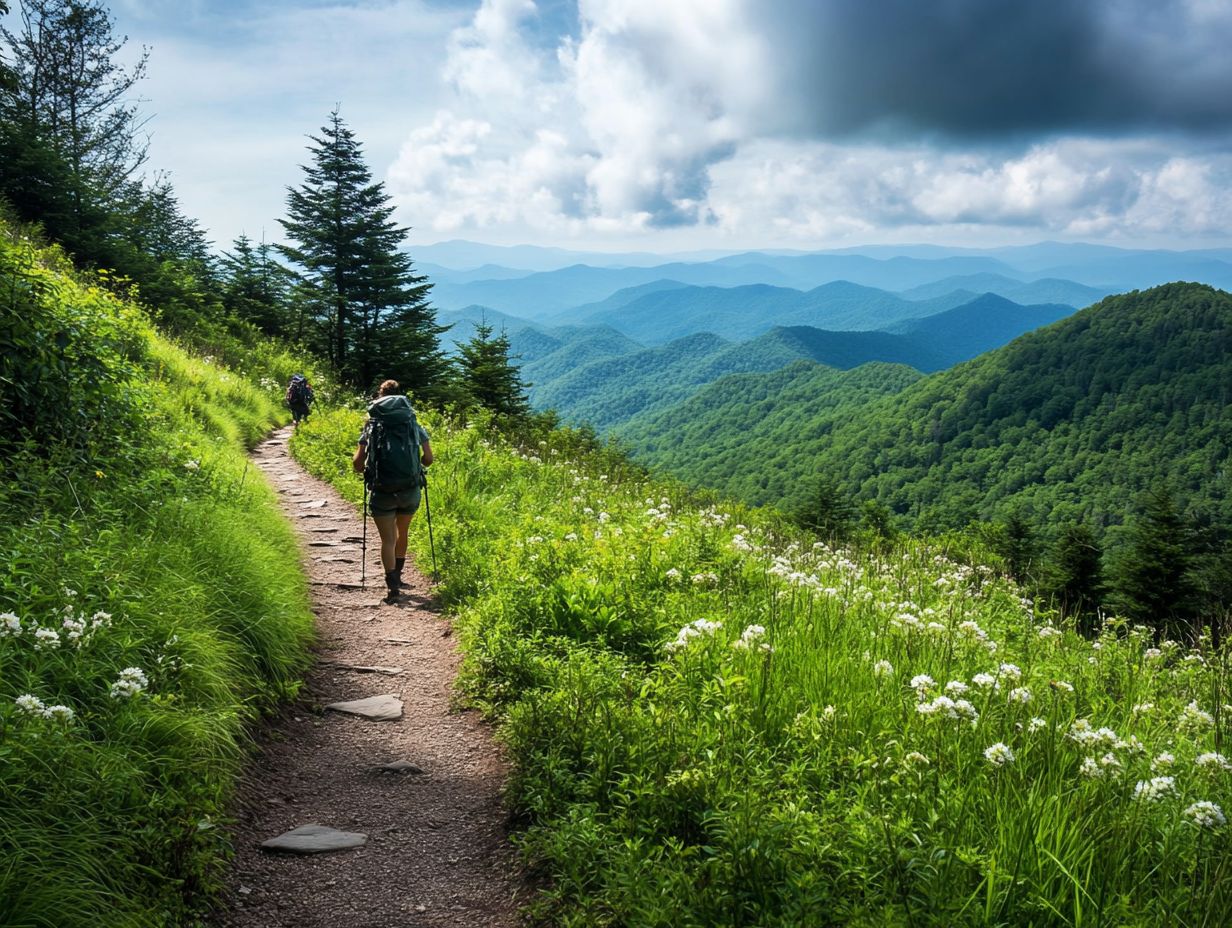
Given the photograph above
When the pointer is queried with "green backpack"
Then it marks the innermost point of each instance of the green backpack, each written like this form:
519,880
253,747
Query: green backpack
393,463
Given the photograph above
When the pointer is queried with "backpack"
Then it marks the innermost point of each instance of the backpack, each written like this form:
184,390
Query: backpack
299,392
393,463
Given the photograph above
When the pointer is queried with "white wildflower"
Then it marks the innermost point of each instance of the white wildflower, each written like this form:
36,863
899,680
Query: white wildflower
984,680
915,757
1163,761
46,639
883,668
749,637
132,681
672,574
1011,672
1193,718
705,579
1020,695
1206,814
10,625
1062,686
1048,632
922,683
1213,759
956,687
1091,769
1036,724
999,754
58,713
30,704
192,465
1155,789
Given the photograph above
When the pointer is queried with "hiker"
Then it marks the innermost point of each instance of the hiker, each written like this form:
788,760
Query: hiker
299,397
393,470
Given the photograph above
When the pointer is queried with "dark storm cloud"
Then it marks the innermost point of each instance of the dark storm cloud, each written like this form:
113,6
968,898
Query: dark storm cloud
986,68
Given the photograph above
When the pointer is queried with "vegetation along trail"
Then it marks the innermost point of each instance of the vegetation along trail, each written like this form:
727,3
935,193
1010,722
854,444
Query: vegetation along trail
436,852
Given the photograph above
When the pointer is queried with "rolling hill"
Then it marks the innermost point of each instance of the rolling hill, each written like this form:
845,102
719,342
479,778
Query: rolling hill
1064,424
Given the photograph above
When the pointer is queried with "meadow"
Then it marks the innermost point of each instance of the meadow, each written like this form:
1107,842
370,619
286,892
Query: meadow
716,720
151,603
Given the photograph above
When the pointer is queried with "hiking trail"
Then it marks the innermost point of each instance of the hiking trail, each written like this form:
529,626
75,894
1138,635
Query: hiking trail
423,784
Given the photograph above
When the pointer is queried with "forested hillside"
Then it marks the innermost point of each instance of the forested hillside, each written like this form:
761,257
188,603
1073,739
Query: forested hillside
1064,424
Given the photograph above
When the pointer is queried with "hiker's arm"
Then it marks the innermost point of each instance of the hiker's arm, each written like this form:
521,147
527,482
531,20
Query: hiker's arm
426,457
361,455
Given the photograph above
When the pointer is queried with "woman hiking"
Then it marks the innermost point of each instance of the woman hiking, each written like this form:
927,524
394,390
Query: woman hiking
393,451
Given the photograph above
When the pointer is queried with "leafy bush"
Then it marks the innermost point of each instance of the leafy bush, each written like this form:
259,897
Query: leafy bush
717,721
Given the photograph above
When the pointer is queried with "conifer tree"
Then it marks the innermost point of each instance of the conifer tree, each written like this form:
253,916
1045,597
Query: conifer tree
826,510
487,376
370,311
68,93
1154,585
256,287
1075,582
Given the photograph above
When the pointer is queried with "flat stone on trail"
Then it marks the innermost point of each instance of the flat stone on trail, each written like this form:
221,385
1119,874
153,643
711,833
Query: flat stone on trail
315,839
378,708
398,766
315,504
365,668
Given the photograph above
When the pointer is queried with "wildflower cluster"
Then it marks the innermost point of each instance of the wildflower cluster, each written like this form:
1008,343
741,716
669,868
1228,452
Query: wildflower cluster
132,680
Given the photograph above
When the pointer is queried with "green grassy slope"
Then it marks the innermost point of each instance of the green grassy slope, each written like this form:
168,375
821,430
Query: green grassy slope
151,601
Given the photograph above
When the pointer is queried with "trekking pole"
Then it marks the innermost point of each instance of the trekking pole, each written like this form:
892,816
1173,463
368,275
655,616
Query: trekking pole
431,540
363,560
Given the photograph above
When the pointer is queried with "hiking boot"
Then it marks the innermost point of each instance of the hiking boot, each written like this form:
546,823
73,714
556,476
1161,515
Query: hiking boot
393,584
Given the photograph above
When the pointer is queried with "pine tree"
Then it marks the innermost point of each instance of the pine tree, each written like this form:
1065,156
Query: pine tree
68,92
1154,585
1017,545
256,287
369,310
826,510
1075,580
487,376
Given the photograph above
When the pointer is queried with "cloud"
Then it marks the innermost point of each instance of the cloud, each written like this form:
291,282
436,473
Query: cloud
748,121
986,68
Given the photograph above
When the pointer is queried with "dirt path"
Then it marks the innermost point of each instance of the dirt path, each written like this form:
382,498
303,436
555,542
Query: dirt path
437,853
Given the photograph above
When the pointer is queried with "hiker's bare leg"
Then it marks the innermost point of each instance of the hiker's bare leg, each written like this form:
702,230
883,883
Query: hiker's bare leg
404,522
387,528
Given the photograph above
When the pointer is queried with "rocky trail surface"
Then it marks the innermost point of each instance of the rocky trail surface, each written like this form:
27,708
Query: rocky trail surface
371,764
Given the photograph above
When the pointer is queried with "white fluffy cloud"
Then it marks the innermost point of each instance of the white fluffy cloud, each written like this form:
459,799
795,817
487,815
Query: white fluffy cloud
651,117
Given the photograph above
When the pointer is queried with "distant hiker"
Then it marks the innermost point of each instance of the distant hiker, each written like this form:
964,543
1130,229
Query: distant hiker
393,451
299,397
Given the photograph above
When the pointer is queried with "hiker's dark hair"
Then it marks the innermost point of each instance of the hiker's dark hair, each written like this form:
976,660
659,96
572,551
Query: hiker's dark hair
389,388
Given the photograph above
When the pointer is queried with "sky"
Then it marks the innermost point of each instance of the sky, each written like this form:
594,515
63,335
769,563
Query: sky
670,125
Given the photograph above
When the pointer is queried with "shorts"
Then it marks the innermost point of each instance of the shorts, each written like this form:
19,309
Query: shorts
399,503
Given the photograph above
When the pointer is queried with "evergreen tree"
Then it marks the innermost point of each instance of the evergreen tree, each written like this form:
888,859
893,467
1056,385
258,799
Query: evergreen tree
487,376
1075,581
69,96
369,311
826,510
256,287
1154,585
1017,546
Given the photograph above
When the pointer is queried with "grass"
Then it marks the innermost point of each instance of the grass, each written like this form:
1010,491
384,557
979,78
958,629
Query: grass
152,603
718,721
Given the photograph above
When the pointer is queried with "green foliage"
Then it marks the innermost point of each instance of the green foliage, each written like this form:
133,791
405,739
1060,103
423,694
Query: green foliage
716,721
369,311
487,378
1063,425
151,603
